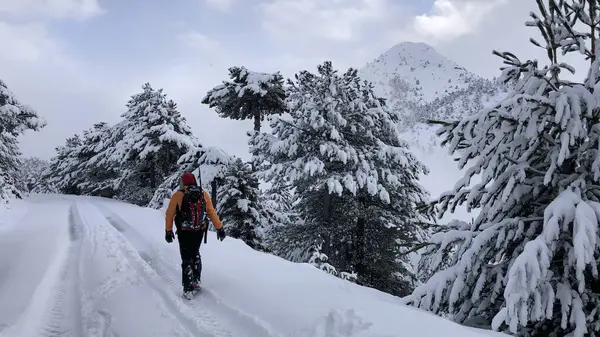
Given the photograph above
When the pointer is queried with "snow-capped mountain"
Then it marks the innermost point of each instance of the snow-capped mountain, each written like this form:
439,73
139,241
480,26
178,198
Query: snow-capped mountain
419,68
419,83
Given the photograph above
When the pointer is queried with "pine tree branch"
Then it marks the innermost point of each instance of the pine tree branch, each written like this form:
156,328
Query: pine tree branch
529,168
417,247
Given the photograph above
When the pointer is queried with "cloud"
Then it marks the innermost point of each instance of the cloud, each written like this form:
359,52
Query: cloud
198,64
309,20
51,9
353,32
222,5
449,19
198,41
26,43
70,94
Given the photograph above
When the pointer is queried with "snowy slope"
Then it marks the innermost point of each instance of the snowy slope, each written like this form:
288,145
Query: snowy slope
82,266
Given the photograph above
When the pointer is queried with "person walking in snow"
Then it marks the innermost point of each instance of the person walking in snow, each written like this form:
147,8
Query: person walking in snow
187,209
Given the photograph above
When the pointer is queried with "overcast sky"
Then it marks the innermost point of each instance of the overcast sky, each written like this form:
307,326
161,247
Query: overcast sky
77,61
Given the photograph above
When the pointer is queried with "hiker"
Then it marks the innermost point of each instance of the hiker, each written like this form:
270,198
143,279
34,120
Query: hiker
187,208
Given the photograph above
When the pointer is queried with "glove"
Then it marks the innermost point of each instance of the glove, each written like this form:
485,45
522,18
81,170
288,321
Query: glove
169,236
221,234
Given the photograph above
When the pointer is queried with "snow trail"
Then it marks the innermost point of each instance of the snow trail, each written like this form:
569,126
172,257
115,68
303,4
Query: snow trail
138,278
39,244
242,323
64,317
92,267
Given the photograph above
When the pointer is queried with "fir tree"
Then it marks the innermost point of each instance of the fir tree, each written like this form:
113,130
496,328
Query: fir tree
352,174
529,262
15,119
239,205
62,173
208,164
31,177
249,95
101,174
156,136
186,163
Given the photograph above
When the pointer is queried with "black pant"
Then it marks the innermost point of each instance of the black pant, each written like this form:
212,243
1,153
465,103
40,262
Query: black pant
191,263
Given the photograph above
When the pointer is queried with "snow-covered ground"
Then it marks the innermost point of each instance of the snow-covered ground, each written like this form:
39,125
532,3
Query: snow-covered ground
82,266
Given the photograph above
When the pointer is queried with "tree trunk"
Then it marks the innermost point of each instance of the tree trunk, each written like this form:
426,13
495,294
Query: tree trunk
152,172
256,121
326,247
360,246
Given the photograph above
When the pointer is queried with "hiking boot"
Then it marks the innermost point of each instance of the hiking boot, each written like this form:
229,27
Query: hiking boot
188,295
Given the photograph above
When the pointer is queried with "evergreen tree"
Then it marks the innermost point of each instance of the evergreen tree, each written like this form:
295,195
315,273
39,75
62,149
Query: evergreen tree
31,177
156,136
355,180
249,95
62,173
208,164
15,119
239,205
101,174
186,163
528,264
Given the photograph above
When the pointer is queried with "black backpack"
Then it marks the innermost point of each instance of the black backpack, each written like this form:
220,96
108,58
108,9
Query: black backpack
193,209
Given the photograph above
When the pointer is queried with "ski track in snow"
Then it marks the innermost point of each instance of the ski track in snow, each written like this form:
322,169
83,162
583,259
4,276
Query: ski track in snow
64,318
242,323
73,267
39,241
195,324
72,297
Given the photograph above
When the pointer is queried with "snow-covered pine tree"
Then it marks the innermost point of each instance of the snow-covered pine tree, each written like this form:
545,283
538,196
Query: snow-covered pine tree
156,136
9,165
249,95
208,164
31,176
355,180
186,163
212,165
529,262
319,260
64,166
15,119
239,205
101,175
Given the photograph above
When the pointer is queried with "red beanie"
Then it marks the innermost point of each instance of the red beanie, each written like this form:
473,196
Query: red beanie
188,179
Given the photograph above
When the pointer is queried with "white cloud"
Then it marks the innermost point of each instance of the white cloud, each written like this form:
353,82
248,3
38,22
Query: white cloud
26,43
339,20
70,94
222,5
353,32
51,9
450,19
199,41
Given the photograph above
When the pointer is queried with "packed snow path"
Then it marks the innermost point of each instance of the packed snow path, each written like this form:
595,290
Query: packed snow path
82,267
76,269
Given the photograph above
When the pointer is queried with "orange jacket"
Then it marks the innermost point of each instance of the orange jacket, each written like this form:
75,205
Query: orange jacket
175,205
